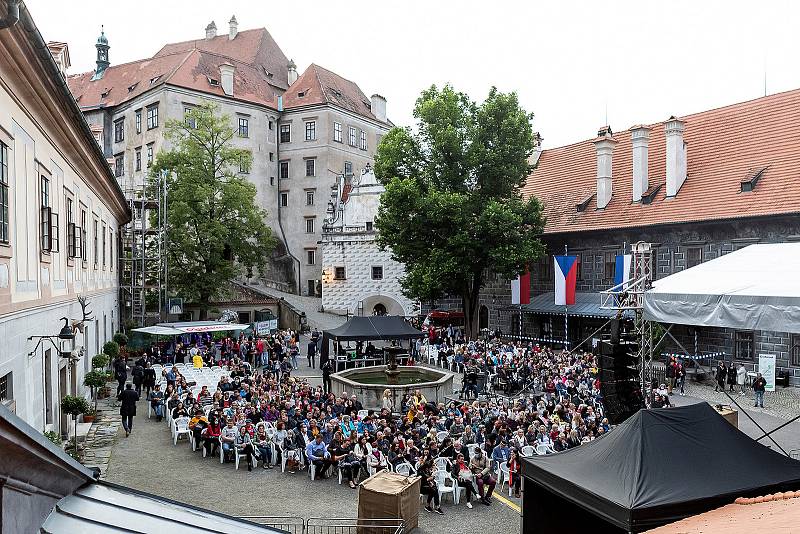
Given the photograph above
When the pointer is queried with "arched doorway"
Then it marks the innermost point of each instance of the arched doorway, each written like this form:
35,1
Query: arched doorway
374,304
483,317
379,309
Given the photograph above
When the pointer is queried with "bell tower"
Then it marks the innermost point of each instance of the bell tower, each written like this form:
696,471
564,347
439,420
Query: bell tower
102,55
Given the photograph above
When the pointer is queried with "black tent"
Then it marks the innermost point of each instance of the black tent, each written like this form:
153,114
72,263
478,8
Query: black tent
372,328
659,466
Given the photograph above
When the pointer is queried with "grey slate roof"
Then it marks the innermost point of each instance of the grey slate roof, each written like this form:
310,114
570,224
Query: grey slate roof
101,508
586,305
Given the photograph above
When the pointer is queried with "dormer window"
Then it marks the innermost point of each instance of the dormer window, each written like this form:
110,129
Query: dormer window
213,81
650,195
584,203
155,79
301,94
268,73
753,175
132,87
105,93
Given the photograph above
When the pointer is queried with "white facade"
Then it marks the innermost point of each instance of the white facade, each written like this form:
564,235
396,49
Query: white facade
50,164
358,278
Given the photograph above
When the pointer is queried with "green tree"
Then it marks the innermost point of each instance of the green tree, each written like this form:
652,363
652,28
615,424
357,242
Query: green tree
452,209
215,231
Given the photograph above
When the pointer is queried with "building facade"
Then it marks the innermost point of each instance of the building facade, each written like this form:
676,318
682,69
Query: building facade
299,129
60,216
695,187
358,278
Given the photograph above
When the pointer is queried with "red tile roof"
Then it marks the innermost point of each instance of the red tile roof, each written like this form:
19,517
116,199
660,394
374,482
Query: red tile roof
318,85
724,147
779,512
255,47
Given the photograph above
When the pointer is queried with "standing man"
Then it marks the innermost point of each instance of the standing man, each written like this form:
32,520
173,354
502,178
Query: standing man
722,373
138,375
120,373
312,353
127,408
759,386
327,369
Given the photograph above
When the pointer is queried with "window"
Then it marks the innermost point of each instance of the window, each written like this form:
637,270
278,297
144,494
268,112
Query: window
138,121
152,117
270,125
149,154
84,237
339,273
110,250
363,140
284,199
352,136
794,350
543,268
377,272
138,158
309,225
337,132
70,230
348,168
6,387
310,167
119,130
46,215
309,198
188,119
271,180
103,238
244,164
284,170
694,256
119,165
582,273
311,257
244,127
272,156
286,133
4,233
610,264
745,347
368,226
96,247
311,130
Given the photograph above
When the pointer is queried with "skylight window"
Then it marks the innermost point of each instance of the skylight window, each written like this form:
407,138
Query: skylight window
213,81
155,79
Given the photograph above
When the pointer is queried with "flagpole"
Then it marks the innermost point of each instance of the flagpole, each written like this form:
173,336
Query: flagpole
566,315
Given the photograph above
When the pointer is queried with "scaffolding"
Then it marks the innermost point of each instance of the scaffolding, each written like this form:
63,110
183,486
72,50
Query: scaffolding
630,296
143,253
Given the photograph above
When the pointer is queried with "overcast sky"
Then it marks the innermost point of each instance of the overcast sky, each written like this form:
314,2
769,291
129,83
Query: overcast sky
571,62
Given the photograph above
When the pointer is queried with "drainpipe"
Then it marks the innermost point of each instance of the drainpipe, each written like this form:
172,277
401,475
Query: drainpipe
12,16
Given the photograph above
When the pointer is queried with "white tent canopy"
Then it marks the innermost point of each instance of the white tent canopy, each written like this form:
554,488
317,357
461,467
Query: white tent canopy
754,288
191,327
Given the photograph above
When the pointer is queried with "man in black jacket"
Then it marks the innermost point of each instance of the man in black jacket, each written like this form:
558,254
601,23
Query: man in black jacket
120,373
759,386
127,408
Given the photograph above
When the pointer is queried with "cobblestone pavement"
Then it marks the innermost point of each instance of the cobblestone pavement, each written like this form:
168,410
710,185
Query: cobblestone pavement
103,435
783,403
148,461
310,305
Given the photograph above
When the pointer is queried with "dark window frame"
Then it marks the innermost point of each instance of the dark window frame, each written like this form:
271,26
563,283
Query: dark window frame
363,140
311,256
337,132
609,264
339,273
152,116
744,339
311,130
794,350
376,272
694,261
119,130
283,169
119,165
137,158
309,198
138,120
285,135
310,225
283,199
244,127
311,167
351,136
5,236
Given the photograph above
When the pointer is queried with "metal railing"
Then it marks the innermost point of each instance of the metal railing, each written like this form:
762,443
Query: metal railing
329,525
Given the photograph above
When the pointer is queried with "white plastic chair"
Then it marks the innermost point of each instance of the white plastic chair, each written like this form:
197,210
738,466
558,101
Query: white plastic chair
471,448
371,469
528,451
405,469
505,477
440,436
239,454
446,484
442,464
362,414
543,448
180,427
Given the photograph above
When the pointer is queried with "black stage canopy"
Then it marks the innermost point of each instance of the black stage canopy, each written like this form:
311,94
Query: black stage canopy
375,327
659,466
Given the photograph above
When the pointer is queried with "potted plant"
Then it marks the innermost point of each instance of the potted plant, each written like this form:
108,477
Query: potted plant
89,416
111,348
74,406
53,437
120,339
94,380
100,361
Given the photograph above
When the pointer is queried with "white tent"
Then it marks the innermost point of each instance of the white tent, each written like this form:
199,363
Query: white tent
754,288
191,327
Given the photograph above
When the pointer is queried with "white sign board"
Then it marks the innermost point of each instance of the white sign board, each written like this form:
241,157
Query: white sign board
263,328
766,366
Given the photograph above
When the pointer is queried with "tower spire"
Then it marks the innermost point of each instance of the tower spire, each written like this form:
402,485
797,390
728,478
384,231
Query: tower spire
102,54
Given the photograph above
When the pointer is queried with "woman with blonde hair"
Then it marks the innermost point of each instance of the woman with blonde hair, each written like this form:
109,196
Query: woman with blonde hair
387,402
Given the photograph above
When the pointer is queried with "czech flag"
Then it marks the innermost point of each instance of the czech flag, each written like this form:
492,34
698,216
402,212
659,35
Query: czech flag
521,289
566,274
622,271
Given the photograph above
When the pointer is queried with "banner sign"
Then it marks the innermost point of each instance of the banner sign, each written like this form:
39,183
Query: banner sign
263,328
766,366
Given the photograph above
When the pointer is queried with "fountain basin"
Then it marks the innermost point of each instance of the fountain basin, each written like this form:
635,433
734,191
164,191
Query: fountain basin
369,384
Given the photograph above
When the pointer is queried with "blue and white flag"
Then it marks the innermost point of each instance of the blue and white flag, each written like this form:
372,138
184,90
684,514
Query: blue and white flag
622,272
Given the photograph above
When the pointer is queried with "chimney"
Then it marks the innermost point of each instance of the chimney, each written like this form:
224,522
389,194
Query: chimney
379,107
292,71
604,145
226,71
640,136
211,30
233,28
676,155
537,149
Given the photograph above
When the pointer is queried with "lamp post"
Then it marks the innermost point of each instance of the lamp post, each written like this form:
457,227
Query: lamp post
66,334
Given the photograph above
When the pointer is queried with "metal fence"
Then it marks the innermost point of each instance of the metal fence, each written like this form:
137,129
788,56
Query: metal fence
329,525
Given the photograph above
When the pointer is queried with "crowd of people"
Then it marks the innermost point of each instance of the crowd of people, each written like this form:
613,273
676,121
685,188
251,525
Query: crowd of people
259,410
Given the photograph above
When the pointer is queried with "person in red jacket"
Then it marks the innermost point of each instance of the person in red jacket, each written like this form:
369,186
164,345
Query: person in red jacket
211,435
514,472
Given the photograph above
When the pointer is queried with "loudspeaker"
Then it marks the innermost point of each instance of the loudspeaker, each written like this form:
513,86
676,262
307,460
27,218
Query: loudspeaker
619,380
